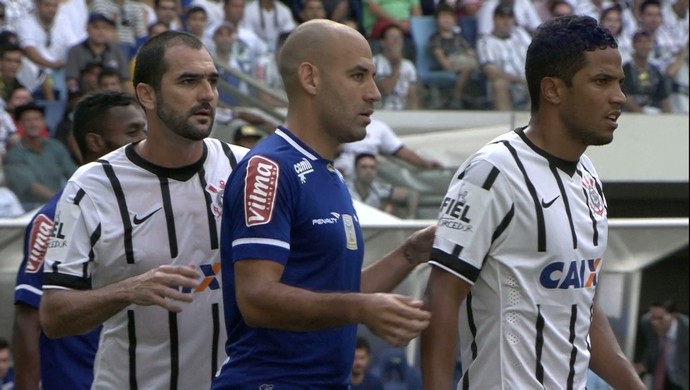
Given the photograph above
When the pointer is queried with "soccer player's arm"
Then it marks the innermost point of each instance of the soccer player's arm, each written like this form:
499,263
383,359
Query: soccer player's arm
69,305
608,360
25,347
474,205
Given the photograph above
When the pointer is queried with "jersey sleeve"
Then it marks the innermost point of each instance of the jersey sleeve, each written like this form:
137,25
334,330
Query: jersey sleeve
389,143
260,205
76,229
29,285
474,214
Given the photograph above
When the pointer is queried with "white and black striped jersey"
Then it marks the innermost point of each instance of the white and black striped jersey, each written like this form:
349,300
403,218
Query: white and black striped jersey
528,231
122,216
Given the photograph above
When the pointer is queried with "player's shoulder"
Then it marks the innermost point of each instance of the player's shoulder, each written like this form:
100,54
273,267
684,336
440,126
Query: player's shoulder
218,148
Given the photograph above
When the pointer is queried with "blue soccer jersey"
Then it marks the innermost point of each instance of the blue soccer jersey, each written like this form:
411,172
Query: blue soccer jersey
287,204
67,362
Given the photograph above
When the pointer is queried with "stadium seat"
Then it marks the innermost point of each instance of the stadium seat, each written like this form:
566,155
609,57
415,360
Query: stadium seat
421,28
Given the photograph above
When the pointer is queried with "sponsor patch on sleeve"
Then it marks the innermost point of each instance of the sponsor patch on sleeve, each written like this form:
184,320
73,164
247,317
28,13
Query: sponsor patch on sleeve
41,231
462,210
66,219
260,186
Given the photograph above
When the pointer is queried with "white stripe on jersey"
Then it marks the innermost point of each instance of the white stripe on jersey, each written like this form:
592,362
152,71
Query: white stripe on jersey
295,145
262,241
534,253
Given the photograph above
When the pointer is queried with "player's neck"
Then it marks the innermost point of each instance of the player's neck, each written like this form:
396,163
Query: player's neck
551,136
167,153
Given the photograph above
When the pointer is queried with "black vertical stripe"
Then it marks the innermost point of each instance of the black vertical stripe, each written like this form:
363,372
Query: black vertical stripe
541,227
573,351
457,249
566,203
491,178
466,380
504,223
174,350
132,333
595,229
169,216
95,236
55,266
212,229
231,156
216,336
539,344
472,325
78,196
122,205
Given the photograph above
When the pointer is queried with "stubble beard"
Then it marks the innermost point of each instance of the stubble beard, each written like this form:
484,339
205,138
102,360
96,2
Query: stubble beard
180,123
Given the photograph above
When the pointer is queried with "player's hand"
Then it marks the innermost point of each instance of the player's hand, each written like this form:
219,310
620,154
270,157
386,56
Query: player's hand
161,286
417,248
395,318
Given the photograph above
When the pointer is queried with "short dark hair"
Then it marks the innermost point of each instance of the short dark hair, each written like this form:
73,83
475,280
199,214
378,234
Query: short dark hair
30,106
363,155
150,60
558,50
9,47
363,343
108,72
647,3
443,8
194,10
92,109
4,344
669,305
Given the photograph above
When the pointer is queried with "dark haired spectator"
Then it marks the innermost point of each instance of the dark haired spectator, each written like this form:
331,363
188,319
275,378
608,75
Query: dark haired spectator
645,85
664,333
10,62
268,19
361,378
594,8
524,13
247,135
453,52
195,21
666,46
502,57
312,9
611,18
396,76
166,12
88,78
130,22
96,49
109,80
367,188
37,167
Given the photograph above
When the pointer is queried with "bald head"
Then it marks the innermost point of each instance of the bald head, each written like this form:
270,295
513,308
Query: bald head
316,42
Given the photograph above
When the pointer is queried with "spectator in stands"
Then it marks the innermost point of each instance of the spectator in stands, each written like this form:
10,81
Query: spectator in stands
560,8
20,97
6,374
46,39
367,188
453,52
361,378
645,86
337,9
225,54
396,76
502,57
675,17
96,49
247,135
380,139
666,47
268,74
10,61
379,14
166,12
268,19
678,72
611,18
524,15
156,28
64,130
37,167
594,8
88,78
312,9
130,21
109,80
8,133
214,12
233,12
15,12
195,21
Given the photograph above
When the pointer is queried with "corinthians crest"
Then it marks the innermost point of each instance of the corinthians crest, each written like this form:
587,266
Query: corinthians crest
594,200
216,192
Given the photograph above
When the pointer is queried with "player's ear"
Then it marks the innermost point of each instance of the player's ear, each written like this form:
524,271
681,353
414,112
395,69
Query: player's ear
146,96
552,89
94,142
308,75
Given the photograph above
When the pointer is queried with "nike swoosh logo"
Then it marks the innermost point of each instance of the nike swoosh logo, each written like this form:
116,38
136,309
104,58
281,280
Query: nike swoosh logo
138,220
546,205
